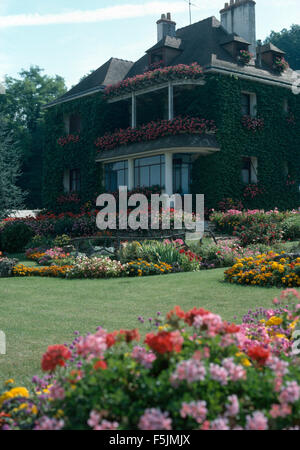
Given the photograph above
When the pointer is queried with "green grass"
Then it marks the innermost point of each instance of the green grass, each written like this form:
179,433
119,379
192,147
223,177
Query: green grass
37,312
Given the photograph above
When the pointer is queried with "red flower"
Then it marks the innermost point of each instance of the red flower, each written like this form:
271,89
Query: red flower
56,355
259,354
177,311
100,365
231,328
111,339
130,335
165,341
190,315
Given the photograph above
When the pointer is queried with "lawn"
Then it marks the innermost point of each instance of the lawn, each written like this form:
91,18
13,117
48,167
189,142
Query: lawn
37,312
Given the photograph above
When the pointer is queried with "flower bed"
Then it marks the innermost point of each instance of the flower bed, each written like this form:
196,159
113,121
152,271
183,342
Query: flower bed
155,130
52,271
142,268
265,270
195,371
46,257
257,226
158,75
85,267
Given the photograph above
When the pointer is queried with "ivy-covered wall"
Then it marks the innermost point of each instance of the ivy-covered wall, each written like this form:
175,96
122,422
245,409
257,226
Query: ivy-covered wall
218,176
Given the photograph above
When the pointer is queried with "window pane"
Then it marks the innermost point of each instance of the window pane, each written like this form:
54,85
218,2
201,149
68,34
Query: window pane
144,176
245,104
154,175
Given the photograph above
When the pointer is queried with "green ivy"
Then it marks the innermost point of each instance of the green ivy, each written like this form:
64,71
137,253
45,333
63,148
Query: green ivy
218,175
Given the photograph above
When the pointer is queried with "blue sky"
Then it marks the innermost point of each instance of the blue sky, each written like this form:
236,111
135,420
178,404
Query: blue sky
71,37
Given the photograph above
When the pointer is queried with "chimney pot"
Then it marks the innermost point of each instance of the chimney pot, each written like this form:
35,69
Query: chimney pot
239,18
165,27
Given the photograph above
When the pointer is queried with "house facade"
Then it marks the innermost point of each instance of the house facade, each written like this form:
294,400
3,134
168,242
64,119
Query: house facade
205,110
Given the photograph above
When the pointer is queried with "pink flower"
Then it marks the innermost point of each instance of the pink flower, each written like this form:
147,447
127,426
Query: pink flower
190,370
45,423
57,392
290,393
145,358
154,419
221,423
257,421
94,419
282,410
93,345
218,373
196,410
232,409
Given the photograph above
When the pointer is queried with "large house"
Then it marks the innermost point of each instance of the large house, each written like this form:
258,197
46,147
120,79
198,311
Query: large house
207,109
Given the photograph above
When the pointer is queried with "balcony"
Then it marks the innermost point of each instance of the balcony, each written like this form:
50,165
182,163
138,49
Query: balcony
189,136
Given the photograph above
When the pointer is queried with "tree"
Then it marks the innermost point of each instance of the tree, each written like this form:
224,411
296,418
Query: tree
289,42
11,196
23,110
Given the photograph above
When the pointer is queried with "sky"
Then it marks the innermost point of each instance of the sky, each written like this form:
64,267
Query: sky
72,37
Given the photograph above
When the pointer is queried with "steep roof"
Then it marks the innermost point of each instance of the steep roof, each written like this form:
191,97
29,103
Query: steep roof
113,71
202,42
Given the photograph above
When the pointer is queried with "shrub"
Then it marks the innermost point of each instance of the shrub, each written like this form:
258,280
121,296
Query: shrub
195,371
39,241
61,241
291,227
15,237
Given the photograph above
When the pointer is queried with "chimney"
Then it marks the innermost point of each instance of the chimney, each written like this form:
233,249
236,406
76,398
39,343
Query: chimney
239,17
165,27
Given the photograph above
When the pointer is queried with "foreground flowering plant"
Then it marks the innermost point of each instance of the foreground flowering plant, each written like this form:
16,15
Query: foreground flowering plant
194,371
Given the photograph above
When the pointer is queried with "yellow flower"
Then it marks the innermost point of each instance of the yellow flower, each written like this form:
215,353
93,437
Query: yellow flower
274,321
10,381
15,392
246,362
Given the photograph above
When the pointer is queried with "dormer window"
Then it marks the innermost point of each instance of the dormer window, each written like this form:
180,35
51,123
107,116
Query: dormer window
268,53
234,44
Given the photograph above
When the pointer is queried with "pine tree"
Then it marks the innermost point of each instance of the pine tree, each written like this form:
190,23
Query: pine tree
11,196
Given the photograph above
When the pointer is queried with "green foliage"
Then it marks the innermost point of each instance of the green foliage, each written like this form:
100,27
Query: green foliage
291,227
11,196
22,107
217,175
15,236
289,42
61,241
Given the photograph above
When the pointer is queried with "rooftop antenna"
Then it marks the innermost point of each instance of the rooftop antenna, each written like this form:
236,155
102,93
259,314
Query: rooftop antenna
190,9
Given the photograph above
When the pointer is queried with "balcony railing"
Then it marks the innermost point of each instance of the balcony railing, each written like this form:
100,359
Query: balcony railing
155,130
152,78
